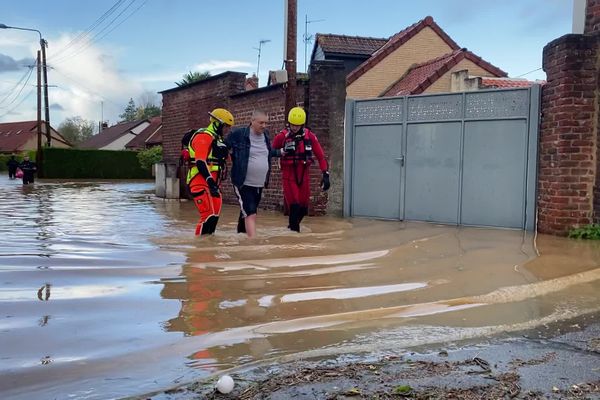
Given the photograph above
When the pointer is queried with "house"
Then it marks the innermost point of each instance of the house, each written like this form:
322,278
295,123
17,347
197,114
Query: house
418,59
463,81
352,50
435,75
16,137
151,136
116,136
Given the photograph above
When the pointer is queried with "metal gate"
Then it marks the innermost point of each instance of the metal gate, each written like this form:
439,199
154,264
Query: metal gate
459,158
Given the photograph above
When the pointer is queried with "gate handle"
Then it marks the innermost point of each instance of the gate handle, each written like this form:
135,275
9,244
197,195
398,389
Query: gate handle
401,159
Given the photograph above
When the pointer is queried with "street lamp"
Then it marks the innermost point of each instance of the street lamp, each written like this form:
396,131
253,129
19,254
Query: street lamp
43,45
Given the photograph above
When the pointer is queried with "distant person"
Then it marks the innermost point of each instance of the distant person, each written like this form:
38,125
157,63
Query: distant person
12,165
207,157
28,168
298,144
251,166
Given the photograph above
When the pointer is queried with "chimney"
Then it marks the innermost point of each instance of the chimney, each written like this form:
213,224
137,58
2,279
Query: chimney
252,82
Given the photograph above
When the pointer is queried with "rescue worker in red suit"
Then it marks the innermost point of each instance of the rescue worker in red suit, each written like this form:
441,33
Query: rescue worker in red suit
298,145
207,158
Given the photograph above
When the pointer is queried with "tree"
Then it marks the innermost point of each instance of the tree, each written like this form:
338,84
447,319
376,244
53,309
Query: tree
77,129
149,105
149,157
130,113
191,77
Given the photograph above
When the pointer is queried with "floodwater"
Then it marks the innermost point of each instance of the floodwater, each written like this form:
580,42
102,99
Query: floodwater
105,291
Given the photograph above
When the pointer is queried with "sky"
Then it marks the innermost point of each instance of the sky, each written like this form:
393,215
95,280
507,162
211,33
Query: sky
102,53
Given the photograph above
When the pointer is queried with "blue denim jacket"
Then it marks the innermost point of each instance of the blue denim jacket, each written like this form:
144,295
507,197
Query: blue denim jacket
238,143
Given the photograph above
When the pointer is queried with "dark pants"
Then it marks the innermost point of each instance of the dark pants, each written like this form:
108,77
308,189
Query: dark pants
27,178
12,171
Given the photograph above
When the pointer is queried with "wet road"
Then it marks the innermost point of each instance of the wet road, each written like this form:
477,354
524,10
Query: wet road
105,292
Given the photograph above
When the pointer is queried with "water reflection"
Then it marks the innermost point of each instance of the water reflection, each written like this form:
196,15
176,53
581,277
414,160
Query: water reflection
105,293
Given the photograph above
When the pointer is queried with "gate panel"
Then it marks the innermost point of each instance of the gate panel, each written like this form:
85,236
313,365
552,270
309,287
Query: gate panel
376,171
432,172
494,173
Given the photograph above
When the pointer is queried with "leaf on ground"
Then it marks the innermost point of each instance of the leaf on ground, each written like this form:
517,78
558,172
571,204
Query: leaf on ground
402,389
353,392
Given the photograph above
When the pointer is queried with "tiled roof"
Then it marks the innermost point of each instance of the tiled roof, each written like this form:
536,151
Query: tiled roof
155,138
13,135
420,76
501,83
139,142
109,135
342,44
395,42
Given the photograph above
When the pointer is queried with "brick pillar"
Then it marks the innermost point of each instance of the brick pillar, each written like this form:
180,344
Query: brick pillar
568,156
592,16
326,102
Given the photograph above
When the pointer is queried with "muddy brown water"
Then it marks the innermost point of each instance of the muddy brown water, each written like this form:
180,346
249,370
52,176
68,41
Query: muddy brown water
105,292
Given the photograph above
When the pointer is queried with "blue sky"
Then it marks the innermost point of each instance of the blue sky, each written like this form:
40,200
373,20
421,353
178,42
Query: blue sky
152,43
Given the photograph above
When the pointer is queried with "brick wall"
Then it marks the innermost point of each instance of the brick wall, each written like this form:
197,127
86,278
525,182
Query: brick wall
592,16
568,177
326,102
187,108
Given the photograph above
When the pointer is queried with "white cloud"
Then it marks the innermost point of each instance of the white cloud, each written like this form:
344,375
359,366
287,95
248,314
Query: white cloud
86,79
215,65
212,66
83,80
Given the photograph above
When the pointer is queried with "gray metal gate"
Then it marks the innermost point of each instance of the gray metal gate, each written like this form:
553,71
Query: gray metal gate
458,158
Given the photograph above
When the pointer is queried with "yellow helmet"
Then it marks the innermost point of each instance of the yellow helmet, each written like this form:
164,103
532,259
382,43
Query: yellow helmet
222,115
297,116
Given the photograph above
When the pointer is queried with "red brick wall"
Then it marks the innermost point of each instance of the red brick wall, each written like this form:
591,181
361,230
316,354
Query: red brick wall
568,170
187,108
592,16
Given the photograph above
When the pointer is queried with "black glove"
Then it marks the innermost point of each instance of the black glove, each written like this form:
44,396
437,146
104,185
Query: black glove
325,181
212,186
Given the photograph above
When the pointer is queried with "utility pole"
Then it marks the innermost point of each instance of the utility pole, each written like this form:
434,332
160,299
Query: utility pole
39,156
290,52
44,44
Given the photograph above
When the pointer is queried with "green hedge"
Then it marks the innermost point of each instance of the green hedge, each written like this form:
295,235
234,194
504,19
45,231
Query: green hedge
19,157
96,164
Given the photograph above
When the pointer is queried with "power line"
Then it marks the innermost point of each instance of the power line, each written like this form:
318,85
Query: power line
527,73
18,105
20,90
90,28
11,91
91,41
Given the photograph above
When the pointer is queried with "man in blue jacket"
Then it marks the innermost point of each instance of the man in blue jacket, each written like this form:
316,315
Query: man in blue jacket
251,166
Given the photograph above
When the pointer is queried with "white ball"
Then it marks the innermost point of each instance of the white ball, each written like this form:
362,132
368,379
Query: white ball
225,384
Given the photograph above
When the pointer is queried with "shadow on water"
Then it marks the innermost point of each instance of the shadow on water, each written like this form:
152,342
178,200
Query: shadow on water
107,293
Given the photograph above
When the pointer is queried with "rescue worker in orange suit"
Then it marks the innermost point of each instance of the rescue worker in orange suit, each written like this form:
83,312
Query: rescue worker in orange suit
298,145
207,158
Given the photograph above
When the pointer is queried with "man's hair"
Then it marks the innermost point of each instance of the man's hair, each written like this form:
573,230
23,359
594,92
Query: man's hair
257,113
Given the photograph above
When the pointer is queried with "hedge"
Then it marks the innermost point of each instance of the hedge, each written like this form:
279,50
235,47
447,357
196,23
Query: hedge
96,164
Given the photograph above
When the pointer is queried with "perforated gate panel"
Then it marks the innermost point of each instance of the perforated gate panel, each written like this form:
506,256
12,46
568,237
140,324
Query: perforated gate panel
458,158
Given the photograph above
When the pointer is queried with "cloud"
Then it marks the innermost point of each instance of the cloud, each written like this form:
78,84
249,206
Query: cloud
56,107
7,63
215,65
89,83
212,66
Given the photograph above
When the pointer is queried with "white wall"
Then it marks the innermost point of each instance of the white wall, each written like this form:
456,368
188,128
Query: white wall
120,143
